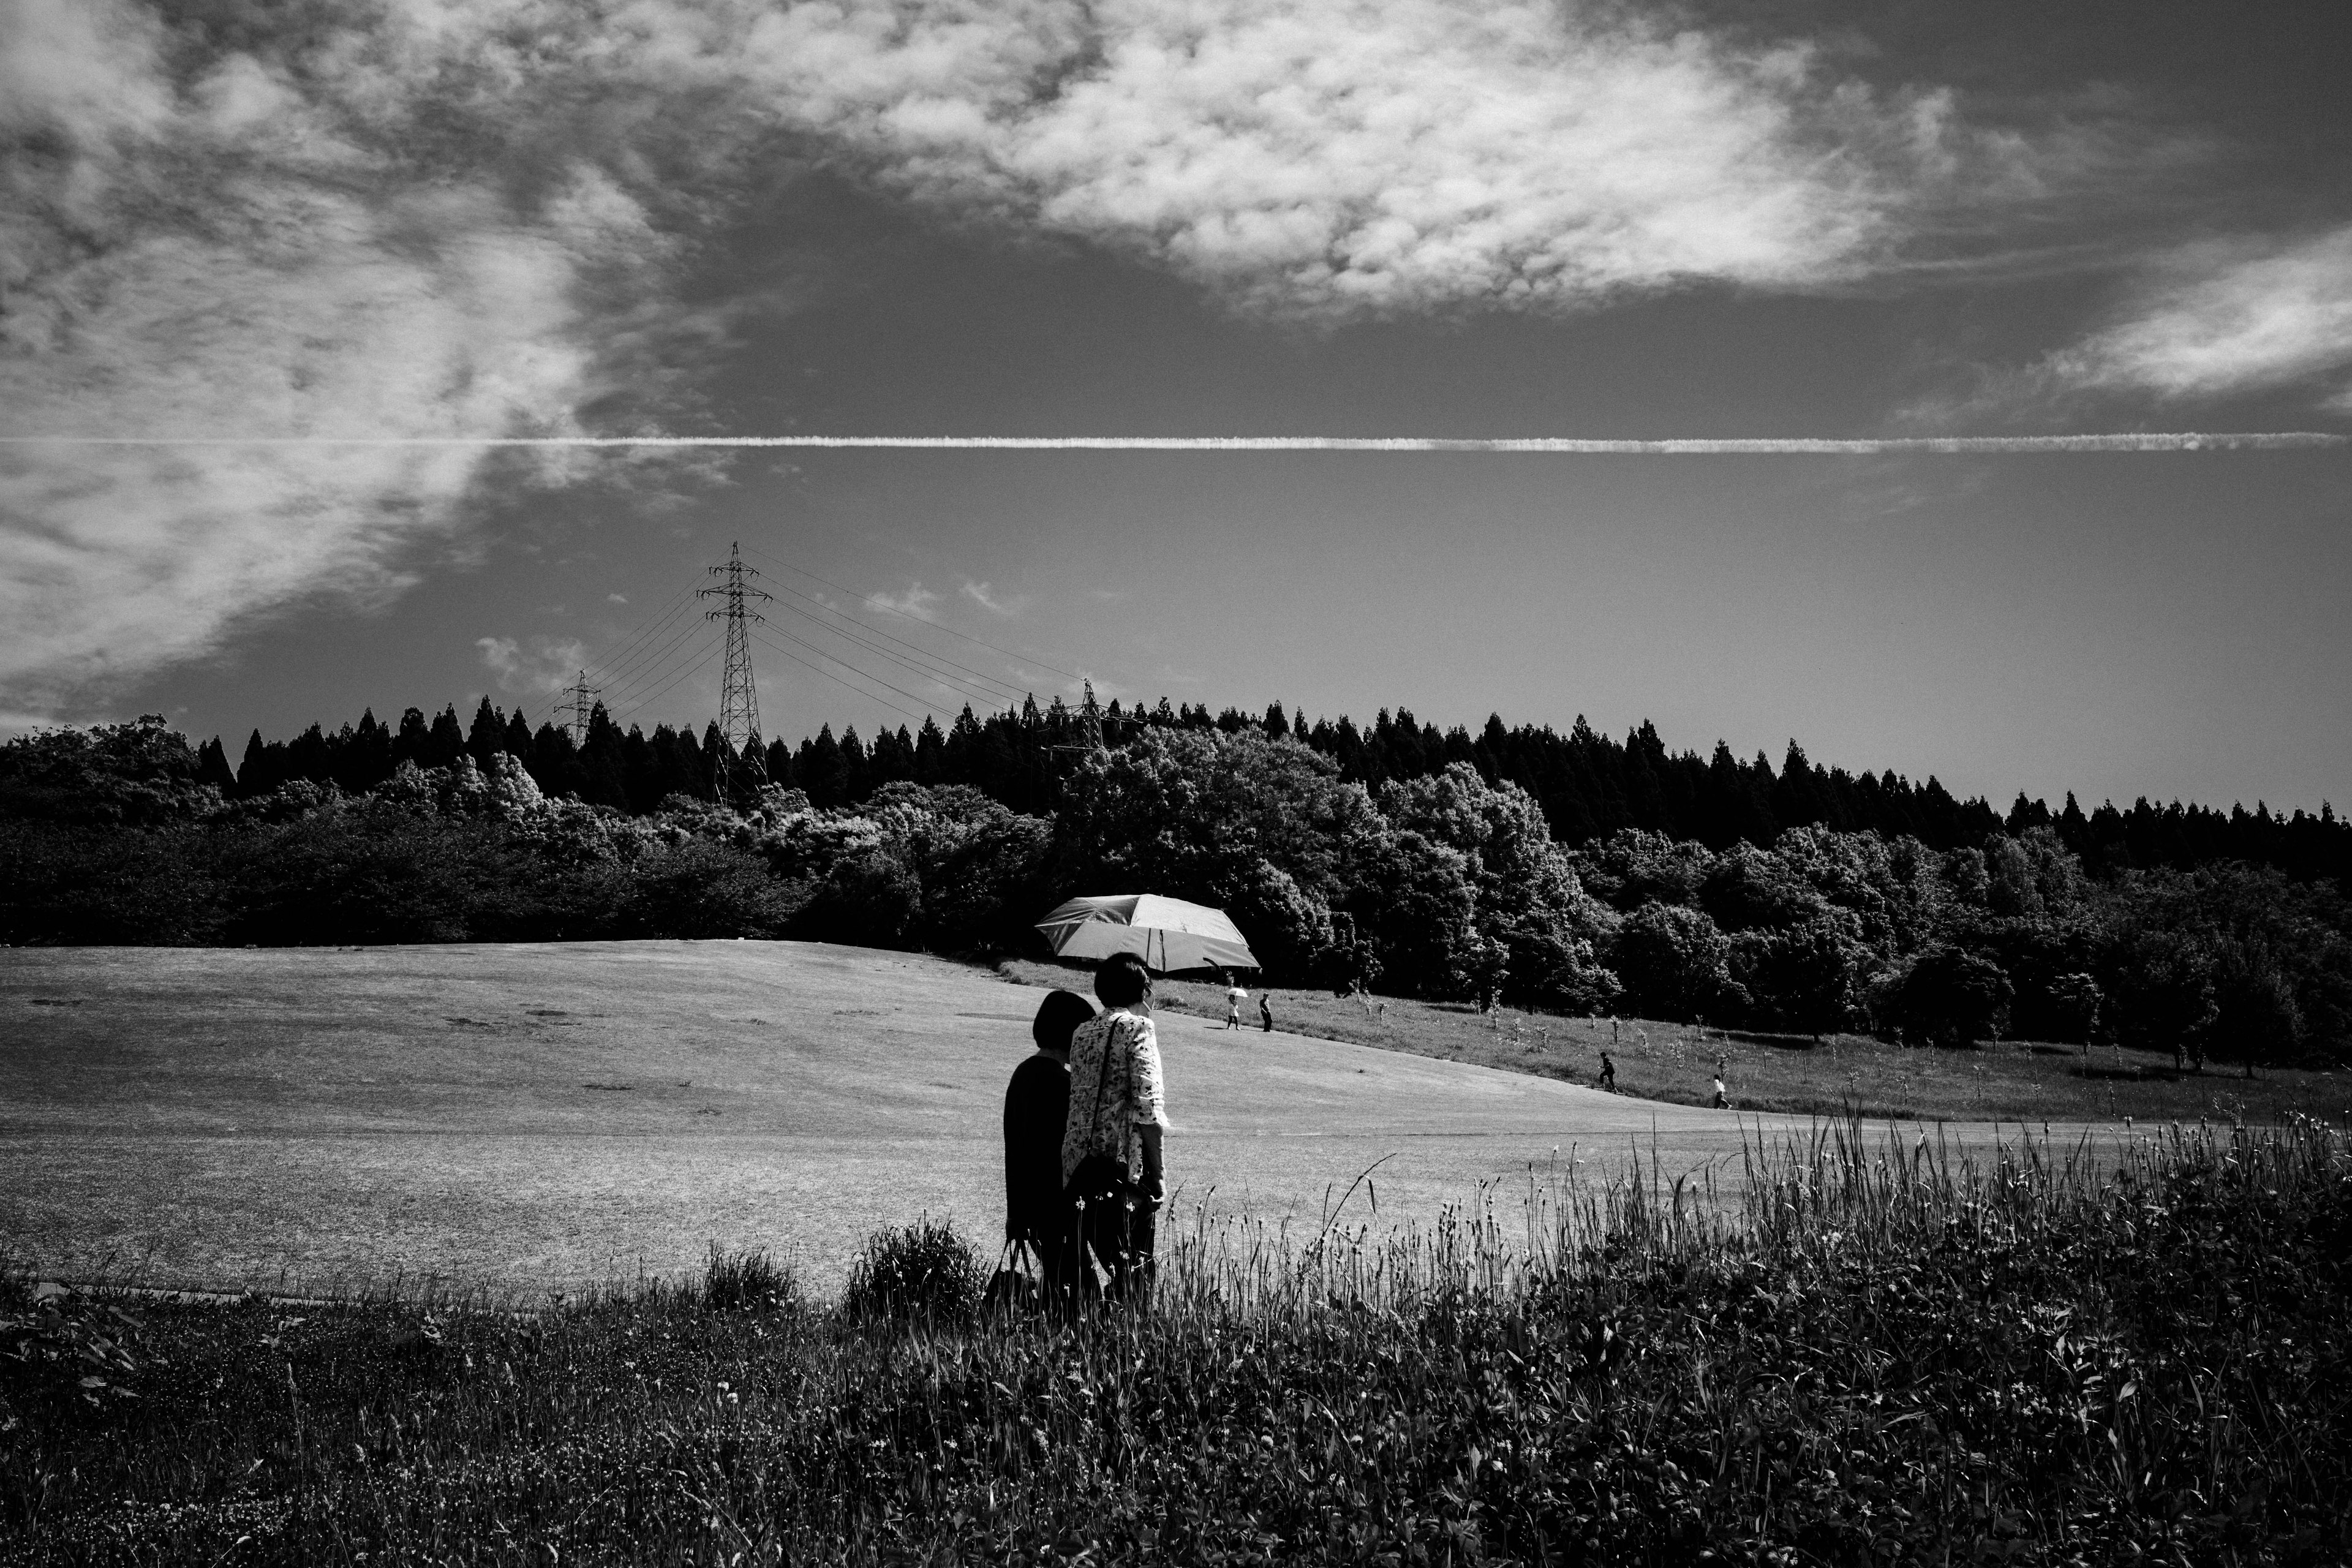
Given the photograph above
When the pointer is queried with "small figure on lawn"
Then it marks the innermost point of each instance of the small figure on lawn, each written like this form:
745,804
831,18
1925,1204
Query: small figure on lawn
1235,997
1722,1100
1608,1073
1265,1012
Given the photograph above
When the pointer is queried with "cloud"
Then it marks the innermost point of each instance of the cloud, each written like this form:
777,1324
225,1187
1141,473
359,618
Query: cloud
262,241
1337,156
547,666
996,603
2224,319
399,218
616,598
917,601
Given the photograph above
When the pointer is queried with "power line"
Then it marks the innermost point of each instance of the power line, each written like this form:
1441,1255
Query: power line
647,644
915,648
820,654
653,667
820,669
992,692
637,704
893,609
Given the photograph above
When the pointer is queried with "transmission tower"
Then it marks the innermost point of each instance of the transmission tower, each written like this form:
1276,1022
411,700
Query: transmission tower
738,702
582,704
1090,720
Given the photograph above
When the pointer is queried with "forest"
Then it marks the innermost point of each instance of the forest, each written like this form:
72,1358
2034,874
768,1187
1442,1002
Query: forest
1572,873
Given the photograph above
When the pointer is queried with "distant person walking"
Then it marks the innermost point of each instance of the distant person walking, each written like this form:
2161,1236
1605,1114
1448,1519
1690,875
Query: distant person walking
1265,1012
1608,1073
1037,1114
1112,1147
1722,1100
1235,997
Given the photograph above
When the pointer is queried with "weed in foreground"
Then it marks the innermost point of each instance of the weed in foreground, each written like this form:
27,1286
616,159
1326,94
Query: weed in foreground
922,1273
748,1281
1881,1355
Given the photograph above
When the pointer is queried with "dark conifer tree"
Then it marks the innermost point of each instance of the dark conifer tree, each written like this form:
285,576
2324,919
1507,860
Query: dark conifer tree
486,739
604,774
854,786
780,771
371,752
309,756
554,763
412,740
518,738
718,756
931,753
819,769
640,772
256,774
212,766
447,743
696,781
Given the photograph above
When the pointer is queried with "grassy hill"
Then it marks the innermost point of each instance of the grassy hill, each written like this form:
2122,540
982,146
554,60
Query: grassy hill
2014,1080
542,1117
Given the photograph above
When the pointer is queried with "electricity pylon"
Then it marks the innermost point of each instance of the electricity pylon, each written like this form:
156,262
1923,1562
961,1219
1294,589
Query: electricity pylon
582,704
1090,720
738,700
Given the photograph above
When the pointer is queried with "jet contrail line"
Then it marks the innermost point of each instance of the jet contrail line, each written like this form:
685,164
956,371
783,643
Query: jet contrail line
1735,447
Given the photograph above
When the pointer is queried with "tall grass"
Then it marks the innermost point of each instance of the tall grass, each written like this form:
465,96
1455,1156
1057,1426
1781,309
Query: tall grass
1876,1352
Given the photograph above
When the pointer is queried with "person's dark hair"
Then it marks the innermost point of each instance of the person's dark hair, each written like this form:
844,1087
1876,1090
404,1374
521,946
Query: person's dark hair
1121,981
1058,1016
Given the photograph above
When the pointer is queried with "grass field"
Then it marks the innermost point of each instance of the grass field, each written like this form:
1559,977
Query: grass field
547,1118
1876,1357
1792,1073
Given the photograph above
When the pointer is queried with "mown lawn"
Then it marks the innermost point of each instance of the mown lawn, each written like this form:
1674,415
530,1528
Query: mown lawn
1881,1358
2010,1081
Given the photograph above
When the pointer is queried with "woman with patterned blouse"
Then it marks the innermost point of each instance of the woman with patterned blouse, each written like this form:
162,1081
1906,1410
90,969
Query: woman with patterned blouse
1119,1111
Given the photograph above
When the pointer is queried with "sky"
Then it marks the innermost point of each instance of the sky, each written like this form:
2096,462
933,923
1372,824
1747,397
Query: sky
272,229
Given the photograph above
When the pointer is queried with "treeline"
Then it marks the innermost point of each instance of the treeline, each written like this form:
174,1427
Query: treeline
1444,884
1587,785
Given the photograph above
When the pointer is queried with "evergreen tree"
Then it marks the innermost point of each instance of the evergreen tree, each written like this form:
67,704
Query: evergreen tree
819,769
253,775
640,772
212,766
447,743
486,739
518,742
931,753
604,774
854,786
413,738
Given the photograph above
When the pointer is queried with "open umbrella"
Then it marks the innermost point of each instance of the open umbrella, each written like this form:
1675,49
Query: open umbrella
1167,934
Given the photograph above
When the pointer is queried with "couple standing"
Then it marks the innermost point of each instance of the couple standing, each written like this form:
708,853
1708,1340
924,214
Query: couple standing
1083,1122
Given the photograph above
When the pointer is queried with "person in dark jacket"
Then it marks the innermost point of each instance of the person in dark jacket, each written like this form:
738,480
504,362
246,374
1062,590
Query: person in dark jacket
1036,1109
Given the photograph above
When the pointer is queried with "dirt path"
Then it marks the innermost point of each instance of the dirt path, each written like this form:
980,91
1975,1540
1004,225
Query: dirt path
537,1118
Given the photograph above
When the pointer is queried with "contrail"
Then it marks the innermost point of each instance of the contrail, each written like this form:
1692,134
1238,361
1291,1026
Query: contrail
1771,445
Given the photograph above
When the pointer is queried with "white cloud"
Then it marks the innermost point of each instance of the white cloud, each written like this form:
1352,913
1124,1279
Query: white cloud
400,218
917,601
616,598
2225,320
547,666
1338,155
235,245
997,603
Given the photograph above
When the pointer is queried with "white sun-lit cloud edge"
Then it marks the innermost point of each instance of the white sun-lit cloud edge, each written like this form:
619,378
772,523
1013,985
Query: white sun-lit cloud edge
1569,446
